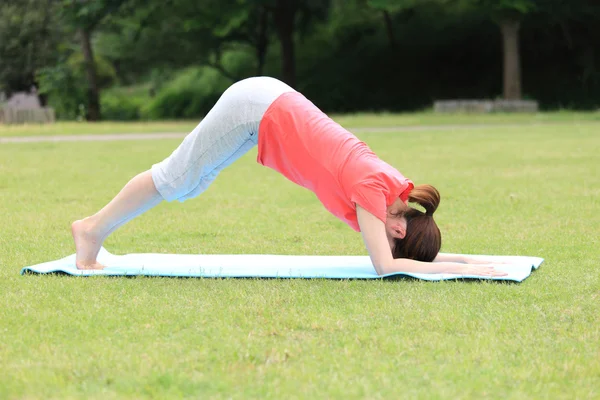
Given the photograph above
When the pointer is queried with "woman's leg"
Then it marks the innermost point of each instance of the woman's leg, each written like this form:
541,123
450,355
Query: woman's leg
138,196
227,132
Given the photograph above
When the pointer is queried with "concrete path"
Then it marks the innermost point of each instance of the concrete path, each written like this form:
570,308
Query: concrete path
178,135
93,138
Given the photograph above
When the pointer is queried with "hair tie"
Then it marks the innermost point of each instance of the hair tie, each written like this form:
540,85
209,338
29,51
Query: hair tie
404,195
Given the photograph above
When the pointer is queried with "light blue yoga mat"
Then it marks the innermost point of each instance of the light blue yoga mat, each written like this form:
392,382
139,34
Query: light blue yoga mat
261,266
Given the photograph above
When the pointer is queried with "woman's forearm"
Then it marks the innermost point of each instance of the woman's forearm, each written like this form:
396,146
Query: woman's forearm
443,267
454,258
407,265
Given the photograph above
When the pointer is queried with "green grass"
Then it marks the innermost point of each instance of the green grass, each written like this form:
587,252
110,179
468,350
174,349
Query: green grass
531,190
349,120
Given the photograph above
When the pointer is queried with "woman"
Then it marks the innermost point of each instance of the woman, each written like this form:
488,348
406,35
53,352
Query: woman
296,139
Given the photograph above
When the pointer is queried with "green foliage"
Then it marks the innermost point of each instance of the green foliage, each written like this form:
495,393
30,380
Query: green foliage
65,84
350,54
105,72
351,66
520,6
191,94
119,108
442,53
395,5
64,89
87,14
124,104
83,17
178,34
495,8
29,37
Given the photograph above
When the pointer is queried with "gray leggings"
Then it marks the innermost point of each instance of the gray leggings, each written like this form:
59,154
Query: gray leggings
227,132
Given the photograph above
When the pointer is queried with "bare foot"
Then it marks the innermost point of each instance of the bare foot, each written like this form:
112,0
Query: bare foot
87,245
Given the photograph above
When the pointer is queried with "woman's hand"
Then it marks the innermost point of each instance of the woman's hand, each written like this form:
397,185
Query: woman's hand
477,260
478,269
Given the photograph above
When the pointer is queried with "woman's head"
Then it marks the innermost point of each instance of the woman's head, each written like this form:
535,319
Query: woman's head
421,239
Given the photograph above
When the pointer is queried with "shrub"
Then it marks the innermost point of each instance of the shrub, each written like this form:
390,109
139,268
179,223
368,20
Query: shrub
65,91
191,94
124,103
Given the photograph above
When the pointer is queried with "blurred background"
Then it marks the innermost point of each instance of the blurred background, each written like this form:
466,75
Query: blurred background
171,59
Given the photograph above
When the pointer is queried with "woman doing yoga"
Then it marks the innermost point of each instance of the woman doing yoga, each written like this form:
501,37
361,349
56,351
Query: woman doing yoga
298,140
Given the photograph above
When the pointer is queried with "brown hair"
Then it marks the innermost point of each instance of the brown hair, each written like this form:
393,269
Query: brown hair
423,239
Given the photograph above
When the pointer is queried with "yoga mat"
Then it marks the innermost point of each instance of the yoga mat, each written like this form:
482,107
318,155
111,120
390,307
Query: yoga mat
261,266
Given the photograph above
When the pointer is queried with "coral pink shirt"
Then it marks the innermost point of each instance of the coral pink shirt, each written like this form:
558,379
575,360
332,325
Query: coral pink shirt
306,146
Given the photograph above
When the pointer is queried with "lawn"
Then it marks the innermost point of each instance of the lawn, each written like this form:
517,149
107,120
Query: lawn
361,120
529,190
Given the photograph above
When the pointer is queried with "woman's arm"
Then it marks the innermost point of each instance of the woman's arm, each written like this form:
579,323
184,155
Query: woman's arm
464,259
375,238
456,258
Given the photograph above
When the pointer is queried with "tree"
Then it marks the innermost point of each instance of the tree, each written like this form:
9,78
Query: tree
508,15
84,16
247,21
390,7
29,37
289,17
181,33
199,32
284,14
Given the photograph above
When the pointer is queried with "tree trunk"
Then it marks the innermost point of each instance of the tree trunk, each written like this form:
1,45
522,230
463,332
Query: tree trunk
284,14
387,19
512,61
93,106
262,41
45,28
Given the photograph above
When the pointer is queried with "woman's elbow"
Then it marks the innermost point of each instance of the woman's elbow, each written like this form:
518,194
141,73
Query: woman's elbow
382,268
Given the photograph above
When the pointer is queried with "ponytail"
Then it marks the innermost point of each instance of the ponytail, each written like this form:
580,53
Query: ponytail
426,196
423,239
